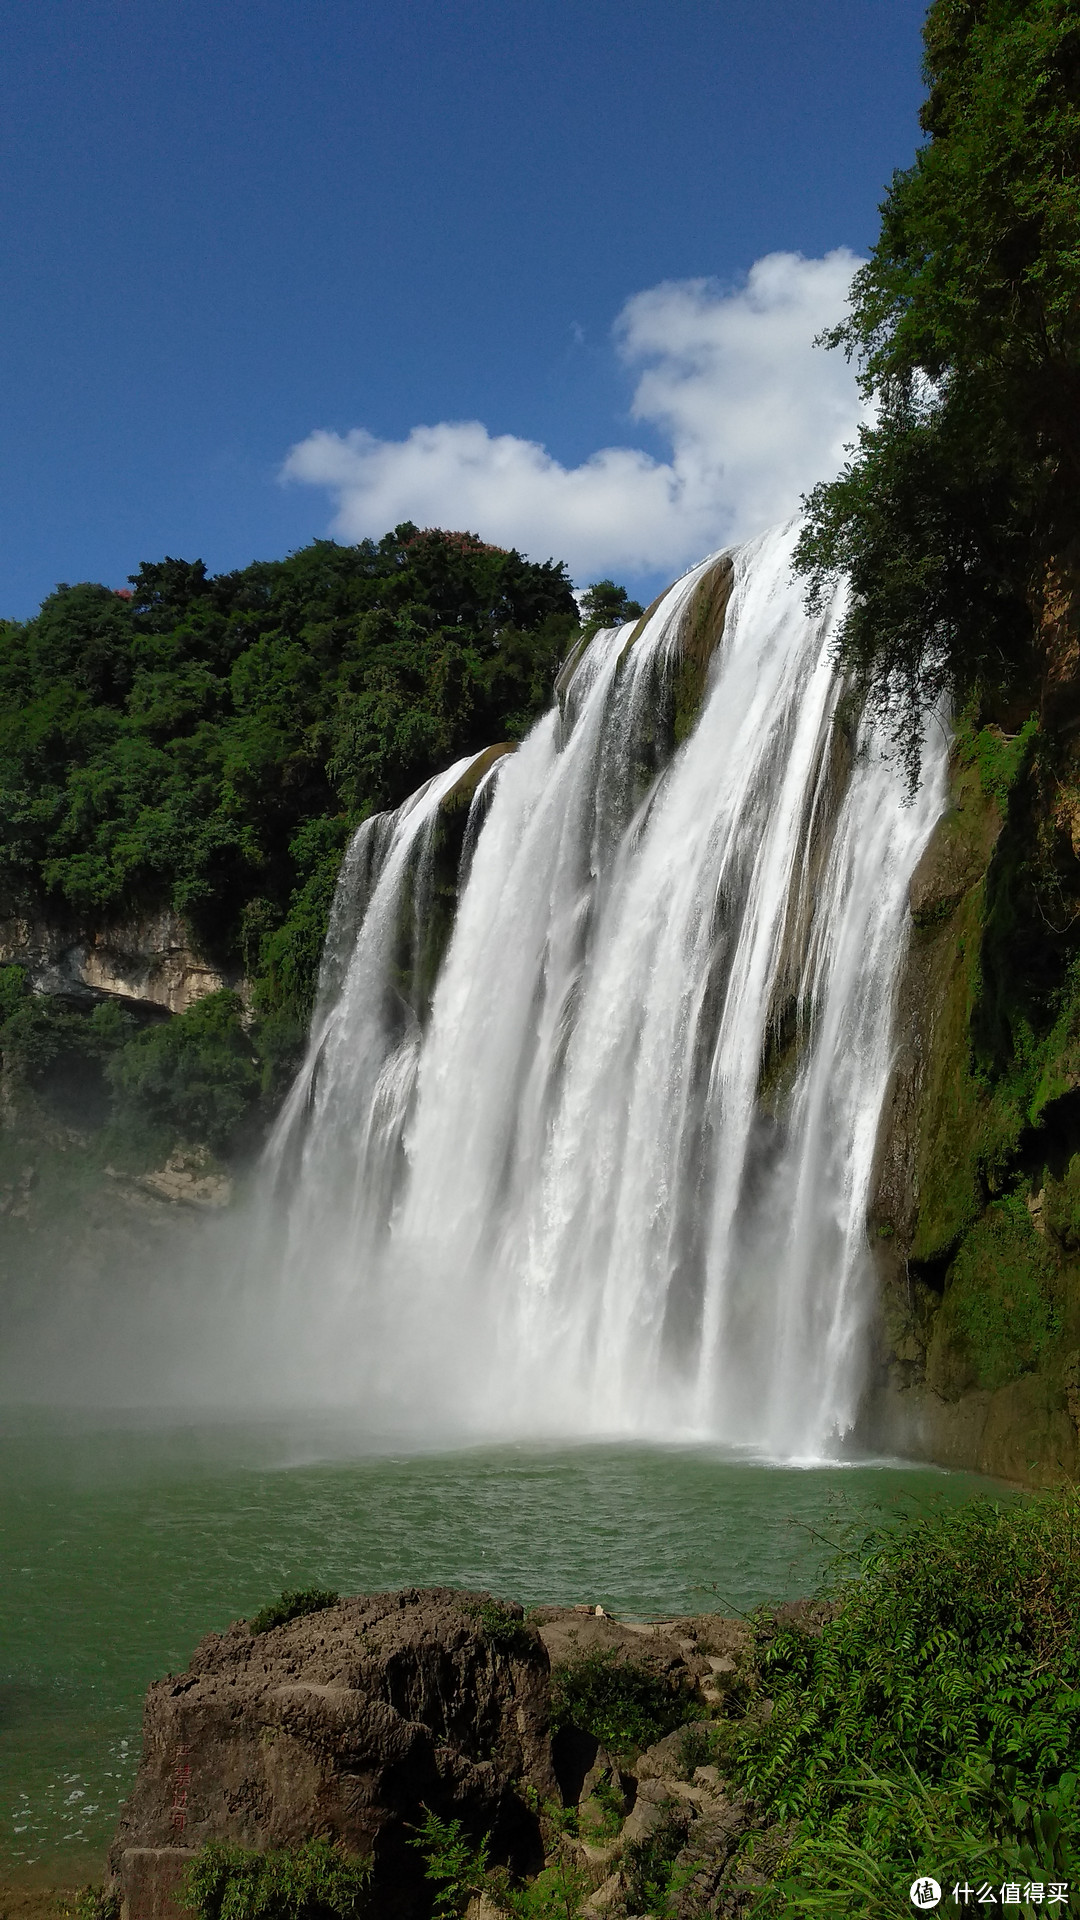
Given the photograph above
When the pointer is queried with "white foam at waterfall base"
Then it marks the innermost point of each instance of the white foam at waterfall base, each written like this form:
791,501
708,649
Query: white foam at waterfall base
617,1182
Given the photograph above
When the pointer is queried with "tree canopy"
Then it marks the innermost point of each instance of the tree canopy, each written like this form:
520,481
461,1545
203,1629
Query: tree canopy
962,491
207,743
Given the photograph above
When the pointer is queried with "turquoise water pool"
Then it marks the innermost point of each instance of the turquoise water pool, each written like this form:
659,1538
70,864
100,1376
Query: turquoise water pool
123,1543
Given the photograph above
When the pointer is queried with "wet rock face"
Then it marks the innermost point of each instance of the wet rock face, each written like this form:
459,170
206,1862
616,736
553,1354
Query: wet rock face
348,1723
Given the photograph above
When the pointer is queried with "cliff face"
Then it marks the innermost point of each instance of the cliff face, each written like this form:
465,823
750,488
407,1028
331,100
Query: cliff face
151,959
976,1221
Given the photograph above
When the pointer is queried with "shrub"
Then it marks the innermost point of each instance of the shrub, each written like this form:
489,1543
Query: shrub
623,1704
292,1605
648,1863
506,1630
933,1722
195,1076
456,1868
311,1882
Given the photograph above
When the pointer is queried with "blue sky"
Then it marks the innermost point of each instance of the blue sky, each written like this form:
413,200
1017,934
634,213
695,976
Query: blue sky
232,227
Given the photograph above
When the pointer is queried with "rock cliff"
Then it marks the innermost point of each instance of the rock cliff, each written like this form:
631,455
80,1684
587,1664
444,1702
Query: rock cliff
975,1226
150,959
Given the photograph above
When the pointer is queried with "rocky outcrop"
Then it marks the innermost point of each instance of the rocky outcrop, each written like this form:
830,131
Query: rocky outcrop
353,1721
349,1722
151,960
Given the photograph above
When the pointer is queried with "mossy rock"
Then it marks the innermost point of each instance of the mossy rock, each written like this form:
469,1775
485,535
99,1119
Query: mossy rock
459,797
700,635
1002,1311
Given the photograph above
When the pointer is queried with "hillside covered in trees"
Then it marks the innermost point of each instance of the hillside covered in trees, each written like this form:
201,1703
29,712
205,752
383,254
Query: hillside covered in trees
207,744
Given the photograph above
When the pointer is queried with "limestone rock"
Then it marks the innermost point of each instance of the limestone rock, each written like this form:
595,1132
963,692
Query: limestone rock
189,1179
348,1723
150,959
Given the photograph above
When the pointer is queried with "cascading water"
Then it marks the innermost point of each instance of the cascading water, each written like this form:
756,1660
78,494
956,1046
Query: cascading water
615,1182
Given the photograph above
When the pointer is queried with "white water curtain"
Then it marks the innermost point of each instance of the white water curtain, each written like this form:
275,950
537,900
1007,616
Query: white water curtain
617,1182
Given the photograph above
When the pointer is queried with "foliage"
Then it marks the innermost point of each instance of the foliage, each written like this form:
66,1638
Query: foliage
697,1748
310,1882
606,605
292,1605
1001,1312
648,1863
38,1030
197,1072
93,1903
455,1866
966,325
624,1704
506,1630
557,1893
607,1808
206,743
459,1871
933,1721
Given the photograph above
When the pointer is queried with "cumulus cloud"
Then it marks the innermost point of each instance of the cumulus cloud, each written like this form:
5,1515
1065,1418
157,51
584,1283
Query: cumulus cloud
753,414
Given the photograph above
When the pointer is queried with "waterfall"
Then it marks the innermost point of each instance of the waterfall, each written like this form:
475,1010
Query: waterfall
605,1169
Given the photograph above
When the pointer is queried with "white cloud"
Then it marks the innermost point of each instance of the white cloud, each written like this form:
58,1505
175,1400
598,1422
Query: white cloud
754,414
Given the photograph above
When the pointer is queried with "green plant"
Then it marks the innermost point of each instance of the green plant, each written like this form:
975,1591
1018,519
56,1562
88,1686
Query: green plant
648,1863
557,1893
931,1723
697,1748
311,1882
624,1704
506,1629
606,605
961,496
452,1863
292,1605
610,1808
94,1903
196,1076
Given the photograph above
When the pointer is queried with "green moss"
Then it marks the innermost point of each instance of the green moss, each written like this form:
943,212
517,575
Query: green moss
1001,1314
998,758
1061,1206
951,1123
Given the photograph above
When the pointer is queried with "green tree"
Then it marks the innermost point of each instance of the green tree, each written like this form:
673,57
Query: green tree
962,491
196,1074
606,605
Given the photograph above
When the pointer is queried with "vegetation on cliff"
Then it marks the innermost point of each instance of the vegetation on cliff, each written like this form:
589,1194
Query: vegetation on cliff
207,744
921,1715
963,490
929,1722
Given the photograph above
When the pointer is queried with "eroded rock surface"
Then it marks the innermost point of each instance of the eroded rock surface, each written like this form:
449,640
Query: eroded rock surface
351,1722
348,1723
